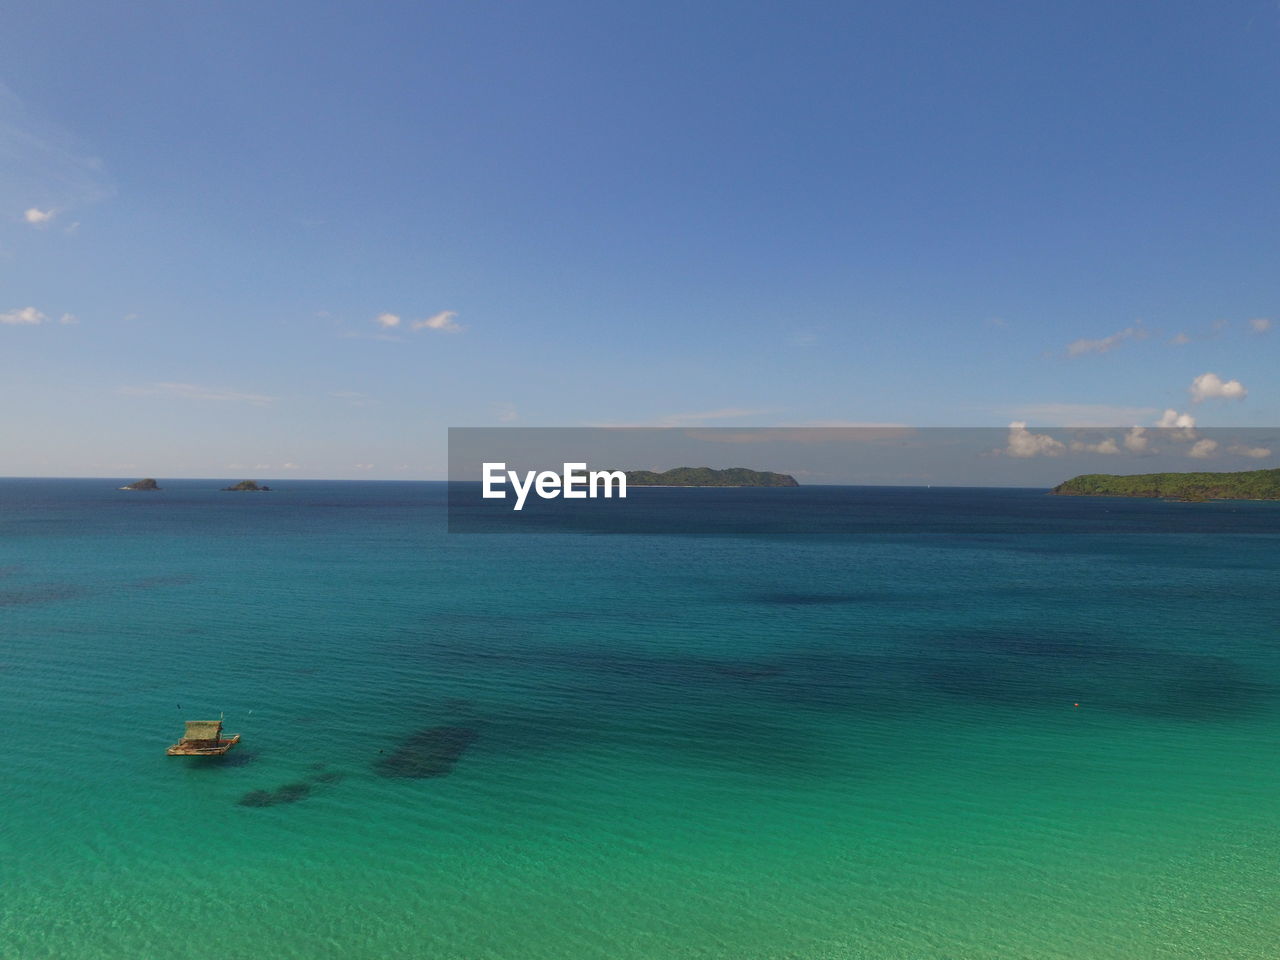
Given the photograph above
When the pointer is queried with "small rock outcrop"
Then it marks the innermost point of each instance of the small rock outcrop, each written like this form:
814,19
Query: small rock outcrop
247,485
707,477
147,484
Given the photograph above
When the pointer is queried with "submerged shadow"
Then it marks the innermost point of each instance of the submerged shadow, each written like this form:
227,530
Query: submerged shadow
431,752
289,793
41,593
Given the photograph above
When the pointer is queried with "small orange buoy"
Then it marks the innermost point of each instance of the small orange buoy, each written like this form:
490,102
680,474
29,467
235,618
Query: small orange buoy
1077,704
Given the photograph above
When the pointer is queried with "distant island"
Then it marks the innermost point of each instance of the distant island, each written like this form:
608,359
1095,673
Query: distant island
247,485
1244,485
147,484
706,477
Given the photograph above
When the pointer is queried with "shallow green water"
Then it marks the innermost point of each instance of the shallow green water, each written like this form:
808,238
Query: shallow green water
676,747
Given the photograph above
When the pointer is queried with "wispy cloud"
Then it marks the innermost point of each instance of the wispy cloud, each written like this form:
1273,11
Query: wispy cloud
854,425
1210,386
845,433
44,164
1222,327
690,419
1081,414
353,397
1084,346
694,419
23,317
68,319
1203,449
1243,450
191,391
444,321
1107,445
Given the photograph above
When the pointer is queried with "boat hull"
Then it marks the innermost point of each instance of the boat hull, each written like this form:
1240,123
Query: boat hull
202,748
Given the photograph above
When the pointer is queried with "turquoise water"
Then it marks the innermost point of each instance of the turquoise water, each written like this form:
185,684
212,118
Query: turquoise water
674,747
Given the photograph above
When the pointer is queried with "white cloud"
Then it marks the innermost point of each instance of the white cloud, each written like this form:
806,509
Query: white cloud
26,316
443,321
1260,324
1024,443
190,391
1102,446
1203,449
1136,440
387,320
288,465
1257,453
364,466
1171,419
506,413
1180,426
36,216
1179,339
31,317
1105,345
1209,386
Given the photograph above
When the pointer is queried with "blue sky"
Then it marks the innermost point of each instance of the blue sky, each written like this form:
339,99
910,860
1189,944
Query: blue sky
708,214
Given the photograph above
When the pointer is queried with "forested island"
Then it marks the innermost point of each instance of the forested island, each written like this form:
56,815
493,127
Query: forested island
247,485
1244,485
706,477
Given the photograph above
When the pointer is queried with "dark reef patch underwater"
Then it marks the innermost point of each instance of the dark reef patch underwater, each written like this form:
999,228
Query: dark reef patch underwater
292,792
289,793
431,752
41,593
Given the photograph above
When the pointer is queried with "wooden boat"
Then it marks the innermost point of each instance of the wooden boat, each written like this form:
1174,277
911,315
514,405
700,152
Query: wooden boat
203,738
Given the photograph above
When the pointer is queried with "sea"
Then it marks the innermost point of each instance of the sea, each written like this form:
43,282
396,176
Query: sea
891,741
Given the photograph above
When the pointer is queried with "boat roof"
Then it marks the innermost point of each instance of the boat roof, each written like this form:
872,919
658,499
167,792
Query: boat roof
203,730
